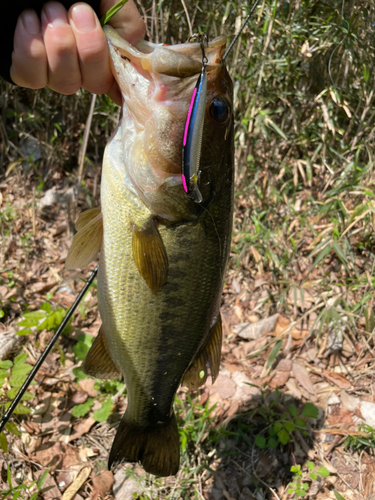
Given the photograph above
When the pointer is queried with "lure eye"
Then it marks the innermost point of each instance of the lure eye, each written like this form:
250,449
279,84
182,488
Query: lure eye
220,109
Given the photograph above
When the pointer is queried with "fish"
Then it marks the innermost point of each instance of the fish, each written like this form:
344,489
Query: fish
163,255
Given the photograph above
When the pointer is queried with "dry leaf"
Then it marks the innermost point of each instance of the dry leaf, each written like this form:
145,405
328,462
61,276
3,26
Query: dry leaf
83,475
303,378
224,386
337,379
82,428
279,379
102,484
293,389
254,331
87,385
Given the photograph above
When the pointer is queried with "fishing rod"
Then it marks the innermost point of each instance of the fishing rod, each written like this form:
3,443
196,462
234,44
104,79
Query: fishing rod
5,418
240,30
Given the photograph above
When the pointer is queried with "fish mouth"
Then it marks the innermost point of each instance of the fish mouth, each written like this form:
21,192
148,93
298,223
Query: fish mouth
156,82
182,60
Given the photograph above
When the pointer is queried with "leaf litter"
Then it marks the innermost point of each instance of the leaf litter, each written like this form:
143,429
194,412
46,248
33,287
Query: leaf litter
292,345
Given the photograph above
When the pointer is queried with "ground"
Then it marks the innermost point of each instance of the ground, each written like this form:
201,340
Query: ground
292,412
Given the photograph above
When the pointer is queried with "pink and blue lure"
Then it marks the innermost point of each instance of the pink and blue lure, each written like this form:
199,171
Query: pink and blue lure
192,143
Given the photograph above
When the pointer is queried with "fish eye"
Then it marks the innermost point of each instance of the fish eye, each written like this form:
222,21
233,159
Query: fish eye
220,109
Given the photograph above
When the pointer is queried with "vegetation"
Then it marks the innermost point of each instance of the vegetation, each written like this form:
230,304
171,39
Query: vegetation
303,247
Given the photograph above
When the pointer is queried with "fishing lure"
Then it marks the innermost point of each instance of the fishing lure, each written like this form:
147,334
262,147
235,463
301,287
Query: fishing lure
192,144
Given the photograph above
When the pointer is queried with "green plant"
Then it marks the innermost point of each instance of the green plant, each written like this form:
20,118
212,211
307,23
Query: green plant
47,317
365,438
282,424
23,491
299,487
14,374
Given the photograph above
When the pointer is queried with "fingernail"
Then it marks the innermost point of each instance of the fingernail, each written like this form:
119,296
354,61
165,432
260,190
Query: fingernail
31,22
56,14
83,17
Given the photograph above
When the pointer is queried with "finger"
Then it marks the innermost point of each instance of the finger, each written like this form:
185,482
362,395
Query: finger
114,93
64,74
92,49
29,60
127,21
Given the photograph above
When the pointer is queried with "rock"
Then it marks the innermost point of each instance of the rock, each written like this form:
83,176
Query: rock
368,412
124,486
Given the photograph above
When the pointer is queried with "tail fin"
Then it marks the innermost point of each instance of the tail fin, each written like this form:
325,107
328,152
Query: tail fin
157,447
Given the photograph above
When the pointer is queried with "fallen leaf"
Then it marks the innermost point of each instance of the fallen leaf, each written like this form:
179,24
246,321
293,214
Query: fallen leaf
102,484
340,417
284,365
232,367
83,475
254,331
293,389
302,377
224,386
87,385
245,390
279,379
42,287
82,428
79,397
348,402
337,379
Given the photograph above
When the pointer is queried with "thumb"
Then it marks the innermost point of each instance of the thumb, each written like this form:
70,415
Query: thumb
127,22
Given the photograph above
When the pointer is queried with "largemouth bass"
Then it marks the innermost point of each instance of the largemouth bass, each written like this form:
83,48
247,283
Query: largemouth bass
162,255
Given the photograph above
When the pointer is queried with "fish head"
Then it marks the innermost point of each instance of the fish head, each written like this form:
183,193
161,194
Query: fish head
156,82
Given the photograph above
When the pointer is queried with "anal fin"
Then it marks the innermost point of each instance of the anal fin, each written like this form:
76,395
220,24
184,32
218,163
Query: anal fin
149,255
87,241
208,357
157,447
98,362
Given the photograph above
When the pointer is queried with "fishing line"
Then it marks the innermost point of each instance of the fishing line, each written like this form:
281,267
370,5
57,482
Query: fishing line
240,30
5,418
193,132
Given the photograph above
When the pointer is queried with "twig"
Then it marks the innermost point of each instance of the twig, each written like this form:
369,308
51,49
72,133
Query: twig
83,149
187,18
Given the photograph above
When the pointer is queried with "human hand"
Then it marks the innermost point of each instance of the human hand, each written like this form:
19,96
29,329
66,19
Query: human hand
68,50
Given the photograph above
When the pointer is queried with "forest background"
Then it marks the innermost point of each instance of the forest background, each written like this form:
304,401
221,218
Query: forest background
293,411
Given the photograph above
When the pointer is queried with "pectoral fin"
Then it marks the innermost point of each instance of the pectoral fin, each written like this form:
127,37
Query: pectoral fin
98,362
209,356
149,255
87,216
88,240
